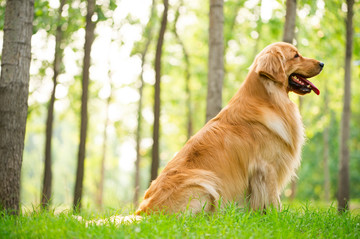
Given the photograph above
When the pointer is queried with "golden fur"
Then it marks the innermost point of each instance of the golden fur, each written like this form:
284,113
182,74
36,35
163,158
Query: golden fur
248,152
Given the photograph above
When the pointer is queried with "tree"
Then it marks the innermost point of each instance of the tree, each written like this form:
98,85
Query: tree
230,19
216,59
148,32
89,39
156,129
187,72
14,90
326,139
100,192
290,21
344,178
46,191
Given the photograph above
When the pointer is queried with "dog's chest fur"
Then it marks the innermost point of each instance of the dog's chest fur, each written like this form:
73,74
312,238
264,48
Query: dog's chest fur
287,126
289,129
284,119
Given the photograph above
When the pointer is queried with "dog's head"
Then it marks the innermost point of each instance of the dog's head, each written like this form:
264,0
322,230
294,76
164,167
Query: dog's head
282,63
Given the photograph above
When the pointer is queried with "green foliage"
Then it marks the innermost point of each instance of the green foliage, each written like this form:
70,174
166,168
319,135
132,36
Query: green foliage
232,222
105,11
43,18
2,13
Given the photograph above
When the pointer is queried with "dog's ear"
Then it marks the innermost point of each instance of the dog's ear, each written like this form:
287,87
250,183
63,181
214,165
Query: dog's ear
271,66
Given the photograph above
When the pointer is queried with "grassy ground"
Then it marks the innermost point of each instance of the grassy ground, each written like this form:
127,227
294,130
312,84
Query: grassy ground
232,222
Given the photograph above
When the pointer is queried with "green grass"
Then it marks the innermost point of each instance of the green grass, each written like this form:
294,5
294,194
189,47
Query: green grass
232,222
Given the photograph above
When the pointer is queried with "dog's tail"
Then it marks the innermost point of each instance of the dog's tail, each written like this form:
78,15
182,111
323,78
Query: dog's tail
175,191
116,220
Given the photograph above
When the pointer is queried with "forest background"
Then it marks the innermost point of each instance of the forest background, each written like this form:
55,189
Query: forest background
121,34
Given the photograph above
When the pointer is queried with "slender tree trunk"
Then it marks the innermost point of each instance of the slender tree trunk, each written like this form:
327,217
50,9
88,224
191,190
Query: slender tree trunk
188,96
189,124
46,191
138,142
290,21
89,38
148,31
100,192
257,41
216,59
14,90
231,25
155,148
326,149
344,178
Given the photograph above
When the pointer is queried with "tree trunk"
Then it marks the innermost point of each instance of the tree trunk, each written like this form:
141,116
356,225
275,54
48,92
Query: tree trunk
100,192
259,25
155,148
89,38
148,36
14,90
216,59
326,148
46,191
189,124
229,29
344,178
290,20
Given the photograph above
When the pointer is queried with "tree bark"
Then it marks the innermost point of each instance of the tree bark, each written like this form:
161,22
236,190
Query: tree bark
89,39
14,90
148,31
155,148
326,149
47,183
290,21
216,59
189,124
344,178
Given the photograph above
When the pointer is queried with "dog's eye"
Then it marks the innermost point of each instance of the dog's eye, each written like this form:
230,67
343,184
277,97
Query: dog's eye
296,56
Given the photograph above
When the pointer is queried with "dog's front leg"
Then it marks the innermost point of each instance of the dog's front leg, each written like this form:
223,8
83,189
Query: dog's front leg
263,188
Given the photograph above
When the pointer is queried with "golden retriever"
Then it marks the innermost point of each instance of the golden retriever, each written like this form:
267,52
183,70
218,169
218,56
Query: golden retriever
250,150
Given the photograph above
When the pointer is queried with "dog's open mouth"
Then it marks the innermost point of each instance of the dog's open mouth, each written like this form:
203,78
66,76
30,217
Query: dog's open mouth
299,84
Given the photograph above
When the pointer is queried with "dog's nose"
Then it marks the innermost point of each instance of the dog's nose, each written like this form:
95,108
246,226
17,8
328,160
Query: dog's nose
321,64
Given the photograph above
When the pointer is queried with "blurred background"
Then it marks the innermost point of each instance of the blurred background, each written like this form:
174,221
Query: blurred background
122,72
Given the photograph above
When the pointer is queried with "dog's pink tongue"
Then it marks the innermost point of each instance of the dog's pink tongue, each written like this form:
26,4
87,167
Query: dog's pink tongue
313,87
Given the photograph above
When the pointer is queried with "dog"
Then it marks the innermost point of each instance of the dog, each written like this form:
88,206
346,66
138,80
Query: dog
250,151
